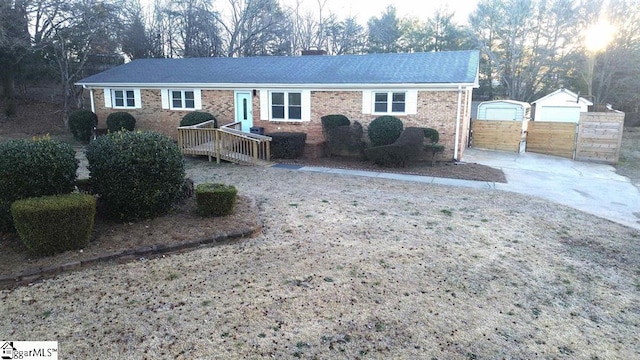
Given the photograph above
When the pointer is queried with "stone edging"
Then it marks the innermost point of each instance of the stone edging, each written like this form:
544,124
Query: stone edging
32,275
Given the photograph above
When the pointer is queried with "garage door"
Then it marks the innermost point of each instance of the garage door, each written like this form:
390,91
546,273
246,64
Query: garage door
559,114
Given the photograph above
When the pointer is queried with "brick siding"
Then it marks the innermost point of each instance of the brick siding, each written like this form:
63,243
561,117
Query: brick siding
436,109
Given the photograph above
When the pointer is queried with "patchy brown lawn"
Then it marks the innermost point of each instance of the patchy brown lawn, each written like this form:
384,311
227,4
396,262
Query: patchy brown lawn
351,267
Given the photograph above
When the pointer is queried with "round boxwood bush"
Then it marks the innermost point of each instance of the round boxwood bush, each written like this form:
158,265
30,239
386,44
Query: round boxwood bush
197,117
137,175
384,130
120,120
81,123
32,168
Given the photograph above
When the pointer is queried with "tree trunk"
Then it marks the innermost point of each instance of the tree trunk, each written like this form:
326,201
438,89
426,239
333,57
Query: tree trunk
8,91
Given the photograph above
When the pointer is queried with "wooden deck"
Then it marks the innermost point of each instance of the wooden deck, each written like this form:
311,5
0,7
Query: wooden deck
226,143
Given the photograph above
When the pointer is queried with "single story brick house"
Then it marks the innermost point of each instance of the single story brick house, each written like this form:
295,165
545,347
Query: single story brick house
292,93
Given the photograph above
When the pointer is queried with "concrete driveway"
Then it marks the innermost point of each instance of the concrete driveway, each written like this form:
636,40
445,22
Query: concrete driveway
593,188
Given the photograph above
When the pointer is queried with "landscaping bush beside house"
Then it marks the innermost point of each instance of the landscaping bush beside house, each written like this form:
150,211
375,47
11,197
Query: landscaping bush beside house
81,124
197,117
406,148
342,138
384,130
137,175
330,122
33,168
53,224
120,120
287,145
213,199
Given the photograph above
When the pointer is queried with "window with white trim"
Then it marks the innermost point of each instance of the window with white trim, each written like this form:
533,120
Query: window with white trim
124,99
182,99
285,105
389,102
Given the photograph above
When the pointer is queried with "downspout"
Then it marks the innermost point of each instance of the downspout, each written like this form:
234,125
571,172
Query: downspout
457,140
93,105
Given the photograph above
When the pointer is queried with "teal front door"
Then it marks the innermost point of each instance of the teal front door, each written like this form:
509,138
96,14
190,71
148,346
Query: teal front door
244,110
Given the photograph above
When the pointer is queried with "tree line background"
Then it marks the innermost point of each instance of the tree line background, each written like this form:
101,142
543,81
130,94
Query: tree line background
529,47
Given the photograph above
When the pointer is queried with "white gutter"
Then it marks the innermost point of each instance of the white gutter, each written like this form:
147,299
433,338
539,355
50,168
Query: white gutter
457,140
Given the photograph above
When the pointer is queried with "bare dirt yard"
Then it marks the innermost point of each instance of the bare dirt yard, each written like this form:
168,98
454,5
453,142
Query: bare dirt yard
357,268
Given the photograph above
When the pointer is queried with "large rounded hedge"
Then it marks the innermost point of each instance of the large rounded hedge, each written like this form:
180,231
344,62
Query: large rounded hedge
81,123
137,175
120,120
330,122
385,130
32,168
197,117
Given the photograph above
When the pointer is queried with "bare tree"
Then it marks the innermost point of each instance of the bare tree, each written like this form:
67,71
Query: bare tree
185,28
70,32
255,27
616,74
525,43
14,46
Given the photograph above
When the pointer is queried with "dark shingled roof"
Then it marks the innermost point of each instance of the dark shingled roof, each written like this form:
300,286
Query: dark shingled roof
452,67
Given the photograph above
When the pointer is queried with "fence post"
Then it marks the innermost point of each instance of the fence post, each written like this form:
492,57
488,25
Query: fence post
217,146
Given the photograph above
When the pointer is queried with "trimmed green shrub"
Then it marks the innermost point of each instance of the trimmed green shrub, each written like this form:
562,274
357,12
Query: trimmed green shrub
433,148
330,122
384,130
197,117
120,120
408,147
52,224
214,199
81,123
137,175
345,140
32,168
287,145
432,134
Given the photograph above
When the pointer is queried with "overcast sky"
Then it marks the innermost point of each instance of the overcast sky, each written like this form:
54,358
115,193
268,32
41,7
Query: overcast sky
365,9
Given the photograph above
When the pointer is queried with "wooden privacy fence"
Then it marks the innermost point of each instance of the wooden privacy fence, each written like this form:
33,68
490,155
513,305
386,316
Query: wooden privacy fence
226,143
552,138
498,134
600,137
596,137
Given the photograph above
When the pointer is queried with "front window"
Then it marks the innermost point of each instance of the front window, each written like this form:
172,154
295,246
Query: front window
389,102
182,99
286,105
124,99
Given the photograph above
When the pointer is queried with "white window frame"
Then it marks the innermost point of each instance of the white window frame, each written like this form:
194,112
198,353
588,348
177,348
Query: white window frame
183,99
167,99
111,96
389,102
266,105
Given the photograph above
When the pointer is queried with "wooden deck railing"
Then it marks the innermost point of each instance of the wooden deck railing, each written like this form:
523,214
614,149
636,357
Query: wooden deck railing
226,143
